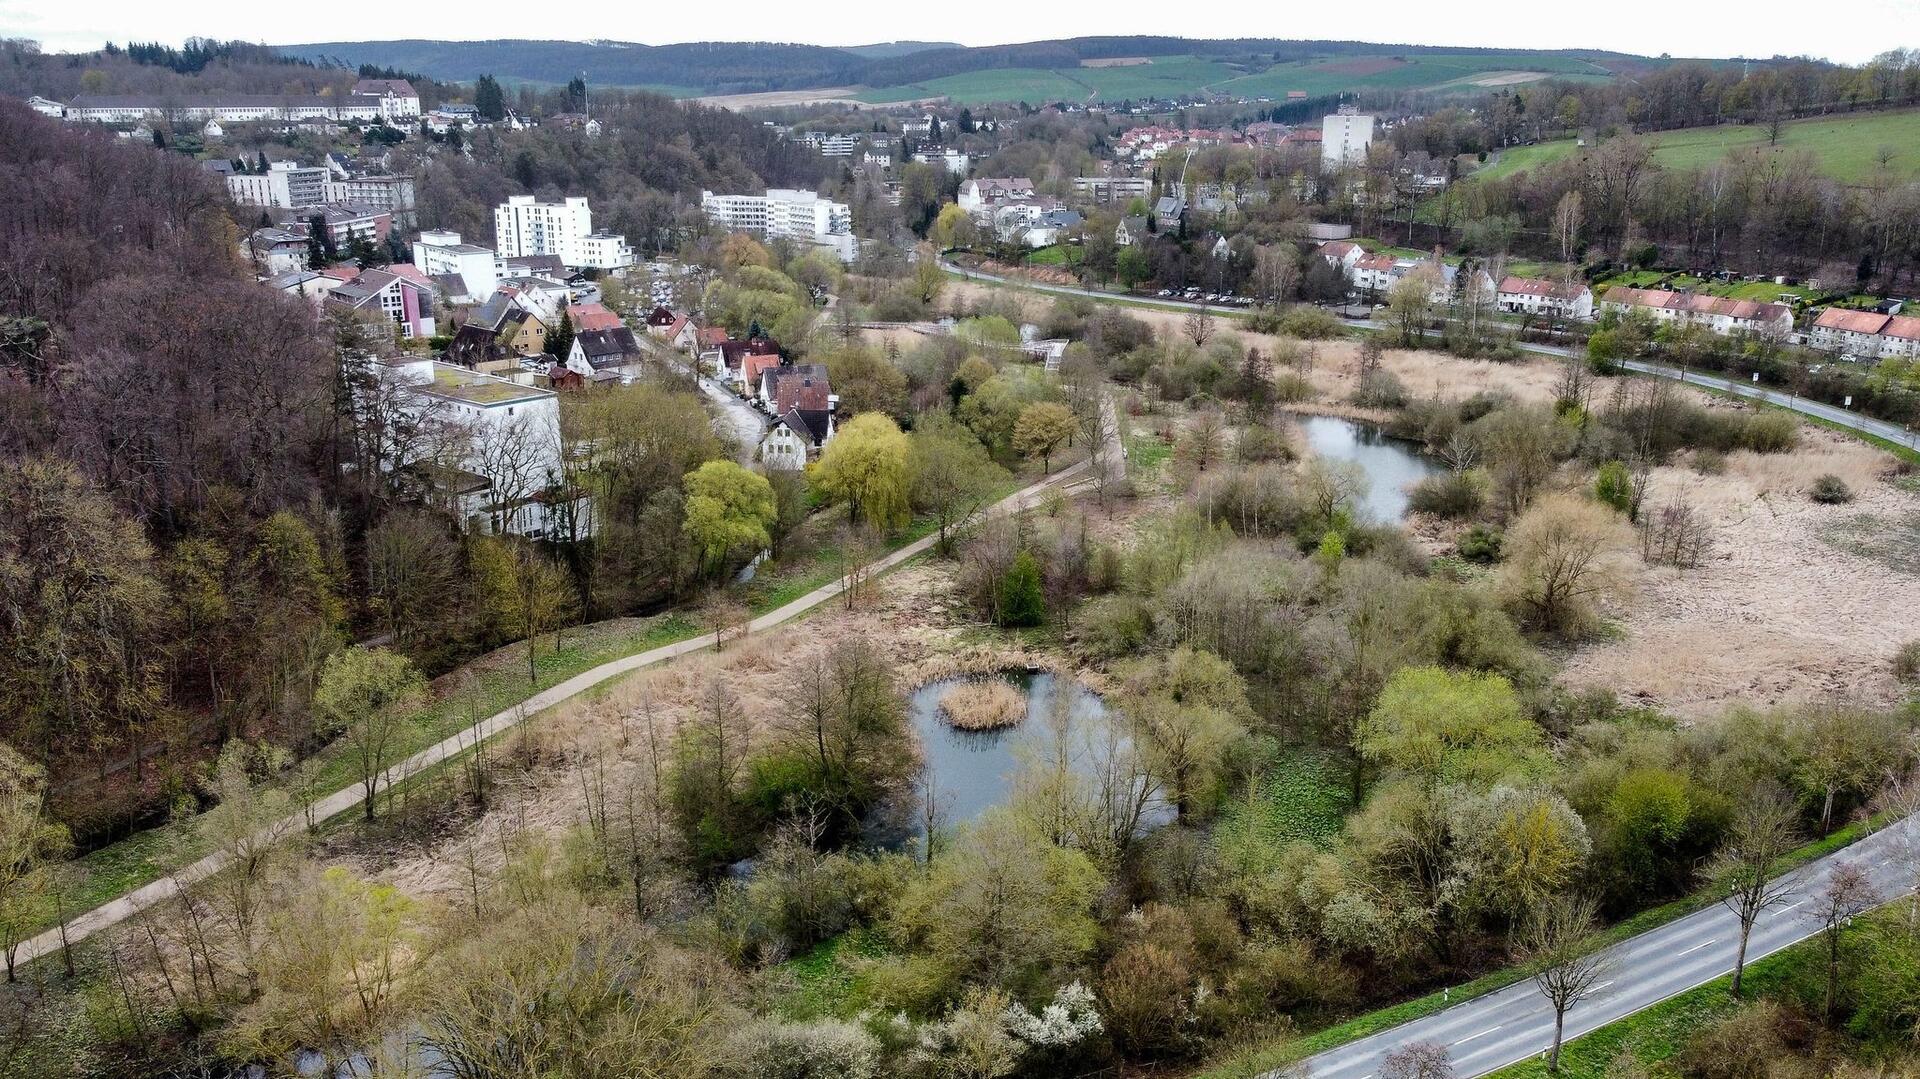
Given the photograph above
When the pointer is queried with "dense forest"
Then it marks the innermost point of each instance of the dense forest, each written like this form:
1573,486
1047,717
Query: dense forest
201,66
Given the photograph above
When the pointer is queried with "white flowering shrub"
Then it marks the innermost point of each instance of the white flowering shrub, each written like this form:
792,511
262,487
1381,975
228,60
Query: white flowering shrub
1071,1018
823,1049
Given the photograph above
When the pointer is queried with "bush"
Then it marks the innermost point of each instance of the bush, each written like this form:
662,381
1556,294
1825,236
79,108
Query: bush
1709,462
1310,323
1451,494
1114,626
1770,432
1906,663
1291,389
1744,1045
1257,444
1614,486
1380,389
822,1049
1831,490
1482,544
1023,601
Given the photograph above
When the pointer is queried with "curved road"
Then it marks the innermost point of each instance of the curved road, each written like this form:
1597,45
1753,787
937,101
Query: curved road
342,801
1867,425
1516,1023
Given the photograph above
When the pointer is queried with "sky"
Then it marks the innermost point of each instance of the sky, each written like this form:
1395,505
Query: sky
1762,28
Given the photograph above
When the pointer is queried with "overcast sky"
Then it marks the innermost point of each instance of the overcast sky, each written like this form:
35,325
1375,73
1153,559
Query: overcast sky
1756,28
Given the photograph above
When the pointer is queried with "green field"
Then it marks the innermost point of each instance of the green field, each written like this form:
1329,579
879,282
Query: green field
1846,146
1175,76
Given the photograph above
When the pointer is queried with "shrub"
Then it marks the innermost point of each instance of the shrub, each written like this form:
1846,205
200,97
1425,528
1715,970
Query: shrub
1114,626
1482,544
822,1049
1675,535
1291,389
1709,462
1309,323
1451,494
1744,1045
1906,663
1258,444
1022,599
1770,432
1614,486
1380,389
1831,490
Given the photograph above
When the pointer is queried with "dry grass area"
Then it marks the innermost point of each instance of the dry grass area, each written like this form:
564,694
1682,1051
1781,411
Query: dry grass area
1779,613
985,705
773,99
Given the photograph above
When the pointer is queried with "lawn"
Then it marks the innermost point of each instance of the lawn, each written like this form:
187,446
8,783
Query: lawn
1847,147
1057,255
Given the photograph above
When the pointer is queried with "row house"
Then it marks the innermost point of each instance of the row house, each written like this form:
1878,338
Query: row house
1541,297
1717,313
1865,335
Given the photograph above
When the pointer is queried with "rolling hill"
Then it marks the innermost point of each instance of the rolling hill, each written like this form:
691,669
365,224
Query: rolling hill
1073,69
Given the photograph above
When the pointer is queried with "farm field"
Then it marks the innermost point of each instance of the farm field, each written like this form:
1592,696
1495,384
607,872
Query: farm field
1846,146
1171,76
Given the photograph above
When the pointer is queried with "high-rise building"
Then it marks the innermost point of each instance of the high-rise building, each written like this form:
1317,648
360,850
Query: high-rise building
785,213
285,185
1344,137
523,225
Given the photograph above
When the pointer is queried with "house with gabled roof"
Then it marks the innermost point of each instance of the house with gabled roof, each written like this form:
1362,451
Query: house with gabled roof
1539,296
1720,314
603,350
395,297
796,436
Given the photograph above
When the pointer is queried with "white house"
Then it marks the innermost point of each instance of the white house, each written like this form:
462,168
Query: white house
440,255
1130,231
226,108
953,161
46,106
523,225
285,185
393,296
1538,296
399,101
981,196
1342,255
1717,313
794,437
1865,334
786,213
499,464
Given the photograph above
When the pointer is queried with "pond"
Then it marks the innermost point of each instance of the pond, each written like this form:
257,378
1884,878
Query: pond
1392,465
973,771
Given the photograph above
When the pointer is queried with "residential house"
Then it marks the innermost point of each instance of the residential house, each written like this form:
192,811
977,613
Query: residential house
983,195
498,334
1342,255
1552,299
1717,313
794,437
593,316
310,284
1107,189
439,253
1131,230
276,251
803,385
1168,211
394,296
1865,335
604,350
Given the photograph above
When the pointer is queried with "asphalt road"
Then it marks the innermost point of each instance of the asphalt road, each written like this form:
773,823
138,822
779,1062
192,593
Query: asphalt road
348,799
1892,432
745,422
1509,1026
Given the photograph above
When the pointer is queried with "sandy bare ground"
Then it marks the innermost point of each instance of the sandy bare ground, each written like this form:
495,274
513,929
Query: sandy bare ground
1778,614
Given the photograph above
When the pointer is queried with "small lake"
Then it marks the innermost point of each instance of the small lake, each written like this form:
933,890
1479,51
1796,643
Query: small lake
1392,465
973,771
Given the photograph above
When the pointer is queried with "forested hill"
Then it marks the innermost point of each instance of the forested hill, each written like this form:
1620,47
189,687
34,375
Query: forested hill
748,67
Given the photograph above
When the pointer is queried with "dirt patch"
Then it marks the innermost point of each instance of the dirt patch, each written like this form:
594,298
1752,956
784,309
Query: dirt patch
1779,613
773,99
1117,61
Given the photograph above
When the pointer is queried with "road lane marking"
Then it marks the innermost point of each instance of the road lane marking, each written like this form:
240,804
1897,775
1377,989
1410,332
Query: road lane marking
1697,947
1482,1034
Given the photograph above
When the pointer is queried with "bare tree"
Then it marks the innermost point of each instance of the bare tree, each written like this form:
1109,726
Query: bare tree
1417,1060
1743,870
1199,325
1564,968
1849,893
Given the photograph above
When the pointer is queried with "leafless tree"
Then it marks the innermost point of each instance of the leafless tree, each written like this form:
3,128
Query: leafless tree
1199,325
1565,968
1745,868
1848,893
1417,1060
1675,535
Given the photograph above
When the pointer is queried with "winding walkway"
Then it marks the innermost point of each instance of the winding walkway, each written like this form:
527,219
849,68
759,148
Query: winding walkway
347,799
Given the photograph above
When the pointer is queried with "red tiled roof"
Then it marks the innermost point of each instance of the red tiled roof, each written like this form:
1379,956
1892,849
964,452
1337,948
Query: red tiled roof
1338,248
592,316
1905,327
713,335
753,366
1840,318
1748,310
1376,262
1535,286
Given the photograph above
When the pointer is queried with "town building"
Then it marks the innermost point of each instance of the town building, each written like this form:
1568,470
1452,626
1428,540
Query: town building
1538,296
1345,135
460,269
393,194
1131,230
523,225
399,101
1105,189
953,161
1717,313
786,213
276,251
982,195
224,108
1865,335
285,185
498,334
393,296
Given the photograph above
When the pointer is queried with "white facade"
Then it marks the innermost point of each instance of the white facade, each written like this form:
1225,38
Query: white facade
786,213
1344,137
510,449
440,252
1113,188
46,106
228,109
523,225
285,185
952,160
392,193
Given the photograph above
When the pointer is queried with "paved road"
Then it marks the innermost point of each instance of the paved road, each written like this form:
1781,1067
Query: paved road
342,801
1491,1032
746,422
1892,432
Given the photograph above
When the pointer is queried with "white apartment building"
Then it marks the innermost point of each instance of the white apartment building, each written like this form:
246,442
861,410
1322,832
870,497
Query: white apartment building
391,193
399,101
1344,137
953,161
786,213
1113,188
285,185
439,253
511,445
225,108
523,225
